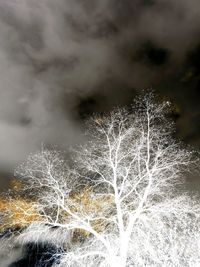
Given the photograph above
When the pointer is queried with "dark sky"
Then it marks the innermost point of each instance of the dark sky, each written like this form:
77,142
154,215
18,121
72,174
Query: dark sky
62,60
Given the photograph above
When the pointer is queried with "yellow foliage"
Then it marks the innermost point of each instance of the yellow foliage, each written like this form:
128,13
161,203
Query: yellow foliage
17,213
99,120
85,202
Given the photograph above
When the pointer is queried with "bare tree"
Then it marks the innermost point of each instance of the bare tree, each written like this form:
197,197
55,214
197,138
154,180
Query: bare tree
119,202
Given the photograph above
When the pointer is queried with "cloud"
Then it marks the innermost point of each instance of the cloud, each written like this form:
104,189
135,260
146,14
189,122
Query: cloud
54,55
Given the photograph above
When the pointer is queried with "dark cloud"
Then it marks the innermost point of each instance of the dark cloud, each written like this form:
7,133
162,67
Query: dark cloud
152,55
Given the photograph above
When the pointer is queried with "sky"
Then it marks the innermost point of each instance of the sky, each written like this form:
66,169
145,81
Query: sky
62,60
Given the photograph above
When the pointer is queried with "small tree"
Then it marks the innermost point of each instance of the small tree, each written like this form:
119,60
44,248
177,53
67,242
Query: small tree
118,201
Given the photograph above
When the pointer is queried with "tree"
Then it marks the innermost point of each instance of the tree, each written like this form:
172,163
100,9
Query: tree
118,202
